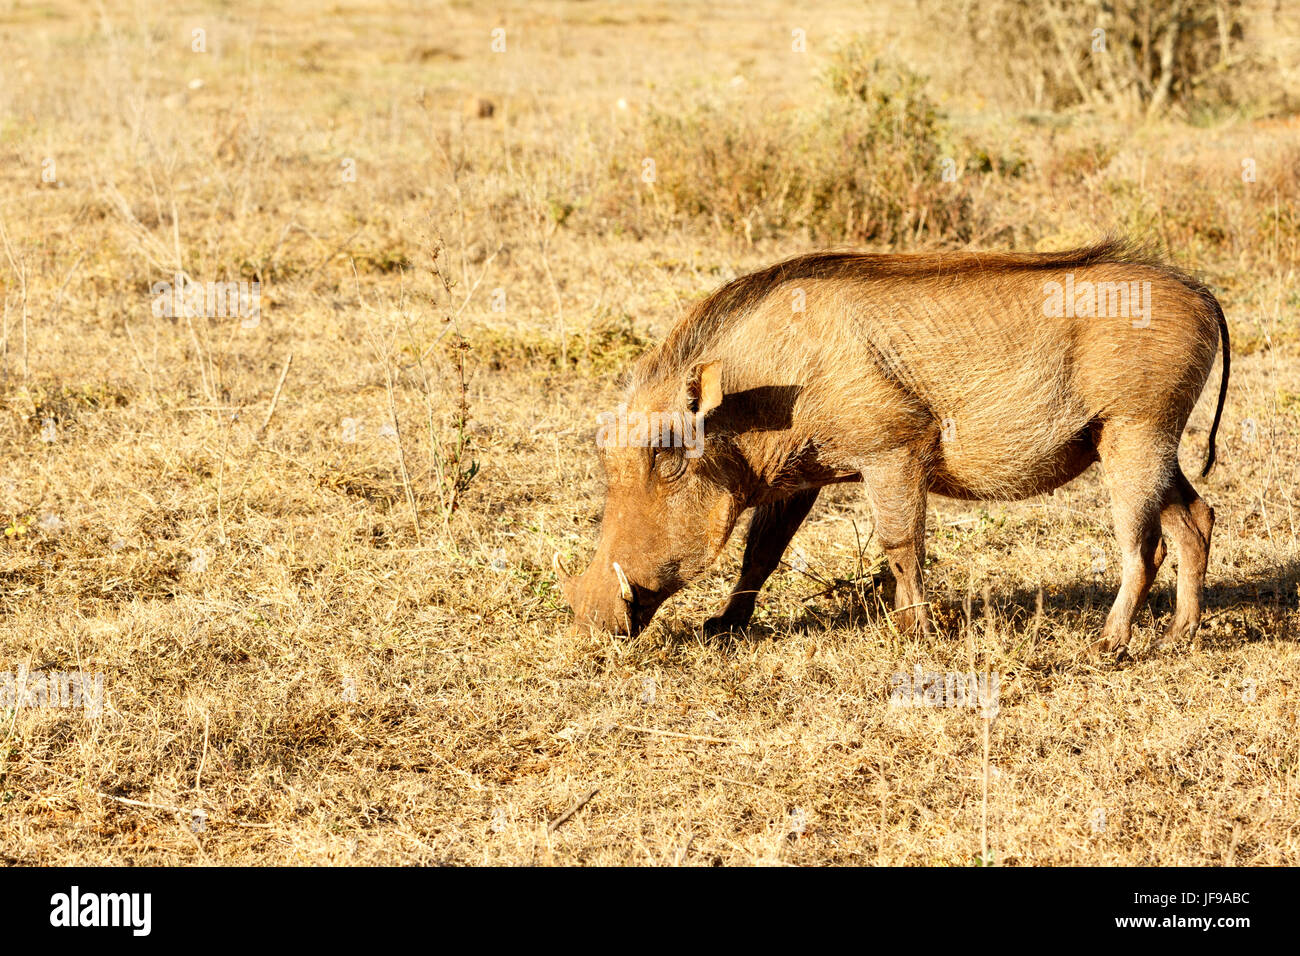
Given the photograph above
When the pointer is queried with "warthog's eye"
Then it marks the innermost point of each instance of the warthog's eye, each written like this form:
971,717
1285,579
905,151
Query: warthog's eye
669,463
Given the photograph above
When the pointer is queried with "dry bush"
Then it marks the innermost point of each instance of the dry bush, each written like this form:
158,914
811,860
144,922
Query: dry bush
864,164
1135,56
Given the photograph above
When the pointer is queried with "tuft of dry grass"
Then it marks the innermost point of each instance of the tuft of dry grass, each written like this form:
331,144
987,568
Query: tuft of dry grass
322,600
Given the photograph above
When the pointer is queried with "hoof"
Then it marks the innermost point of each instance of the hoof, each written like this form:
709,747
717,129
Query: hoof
1179,630
724,625
1107,646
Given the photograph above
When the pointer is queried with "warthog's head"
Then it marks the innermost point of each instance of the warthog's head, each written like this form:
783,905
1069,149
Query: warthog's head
670,507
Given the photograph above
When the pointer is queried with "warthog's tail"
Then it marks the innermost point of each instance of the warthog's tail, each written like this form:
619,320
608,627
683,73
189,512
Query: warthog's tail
1213,303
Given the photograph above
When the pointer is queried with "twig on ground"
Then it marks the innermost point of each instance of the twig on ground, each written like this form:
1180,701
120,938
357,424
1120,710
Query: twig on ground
564,817
275,397
670,733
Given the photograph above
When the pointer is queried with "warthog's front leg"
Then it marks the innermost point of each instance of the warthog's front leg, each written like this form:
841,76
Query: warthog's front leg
770,532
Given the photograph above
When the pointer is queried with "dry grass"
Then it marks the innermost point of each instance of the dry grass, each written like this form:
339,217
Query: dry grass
299,638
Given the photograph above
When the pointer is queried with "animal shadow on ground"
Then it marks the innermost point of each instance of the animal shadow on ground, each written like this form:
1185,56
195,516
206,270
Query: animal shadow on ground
1239,609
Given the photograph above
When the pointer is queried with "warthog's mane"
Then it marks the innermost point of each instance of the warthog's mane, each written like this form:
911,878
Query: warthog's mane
692,339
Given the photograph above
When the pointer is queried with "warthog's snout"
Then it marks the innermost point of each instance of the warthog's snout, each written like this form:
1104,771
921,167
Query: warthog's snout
603,597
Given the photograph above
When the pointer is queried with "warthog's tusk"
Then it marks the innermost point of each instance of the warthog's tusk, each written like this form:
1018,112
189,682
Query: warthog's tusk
624,588
558,565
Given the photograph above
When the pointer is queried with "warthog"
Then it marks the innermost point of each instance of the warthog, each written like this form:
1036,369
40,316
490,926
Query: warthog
970,375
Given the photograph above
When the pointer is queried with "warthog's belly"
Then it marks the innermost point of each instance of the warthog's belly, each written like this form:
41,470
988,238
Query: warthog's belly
1009,470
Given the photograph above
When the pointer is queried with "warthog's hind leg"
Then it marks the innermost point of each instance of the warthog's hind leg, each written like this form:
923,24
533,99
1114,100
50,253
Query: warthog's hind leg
1139,466
1188,521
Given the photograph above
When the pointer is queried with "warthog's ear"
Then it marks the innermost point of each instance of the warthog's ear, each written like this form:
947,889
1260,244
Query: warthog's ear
704,390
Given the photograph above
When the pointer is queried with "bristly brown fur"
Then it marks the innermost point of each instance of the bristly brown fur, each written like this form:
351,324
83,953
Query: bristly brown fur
690,338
